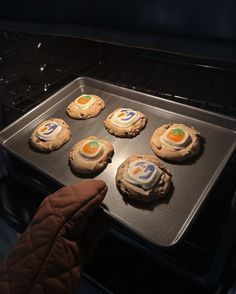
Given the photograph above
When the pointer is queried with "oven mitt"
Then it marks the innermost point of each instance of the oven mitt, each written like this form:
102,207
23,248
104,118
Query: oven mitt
49,256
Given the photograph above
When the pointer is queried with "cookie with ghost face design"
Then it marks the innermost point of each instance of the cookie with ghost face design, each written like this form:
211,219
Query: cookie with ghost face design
50,135
125,122
175,142
85,106
143,177
90,155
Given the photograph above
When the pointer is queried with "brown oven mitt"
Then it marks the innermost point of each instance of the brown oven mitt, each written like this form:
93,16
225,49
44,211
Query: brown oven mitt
48,257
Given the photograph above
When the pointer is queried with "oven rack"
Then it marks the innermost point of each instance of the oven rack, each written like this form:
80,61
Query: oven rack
27,78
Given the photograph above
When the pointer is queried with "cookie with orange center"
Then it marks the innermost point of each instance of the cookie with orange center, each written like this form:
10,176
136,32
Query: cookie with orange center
90,155
85,106
175,142
143,177
50,135
125,122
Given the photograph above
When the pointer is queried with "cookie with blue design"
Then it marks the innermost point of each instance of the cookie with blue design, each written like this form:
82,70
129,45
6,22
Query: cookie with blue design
125,122
50,135
143,177
85,106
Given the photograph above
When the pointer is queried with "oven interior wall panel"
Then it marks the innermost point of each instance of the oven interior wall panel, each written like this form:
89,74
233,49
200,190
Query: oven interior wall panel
202,28
201,18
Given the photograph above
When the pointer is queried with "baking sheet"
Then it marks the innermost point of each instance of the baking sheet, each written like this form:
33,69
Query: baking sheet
162,223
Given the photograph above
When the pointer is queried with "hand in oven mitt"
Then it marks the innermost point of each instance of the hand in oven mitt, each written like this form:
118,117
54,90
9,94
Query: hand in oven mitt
49,256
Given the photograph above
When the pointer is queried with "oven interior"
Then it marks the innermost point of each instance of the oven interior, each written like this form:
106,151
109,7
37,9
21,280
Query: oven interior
33,67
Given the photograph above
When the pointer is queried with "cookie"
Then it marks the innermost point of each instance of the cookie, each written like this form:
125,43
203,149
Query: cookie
175,142
125,122
143,177
90,155
85,106
50,135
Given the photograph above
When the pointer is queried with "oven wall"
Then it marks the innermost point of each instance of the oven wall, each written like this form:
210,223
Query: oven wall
204,18
201,28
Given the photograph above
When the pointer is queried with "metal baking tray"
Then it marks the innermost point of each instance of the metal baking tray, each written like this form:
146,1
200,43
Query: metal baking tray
161,223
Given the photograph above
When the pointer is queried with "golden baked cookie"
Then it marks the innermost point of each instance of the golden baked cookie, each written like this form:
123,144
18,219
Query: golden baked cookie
85,106
50,135
143,177
90,155
125,122
175,142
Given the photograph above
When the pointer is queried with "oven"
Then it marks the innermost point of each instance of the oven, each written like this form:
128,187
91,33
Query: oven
191,71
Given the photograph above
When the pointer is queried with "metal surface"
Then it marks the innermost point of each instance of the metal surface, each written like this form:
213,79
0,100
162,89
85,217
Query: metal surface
163,222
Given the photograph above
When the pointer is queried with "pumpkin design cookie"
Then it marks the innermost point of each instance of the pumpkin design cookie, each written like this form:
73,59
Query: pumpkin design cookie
143,177
175,142
85,106
90,155
50,135
125,122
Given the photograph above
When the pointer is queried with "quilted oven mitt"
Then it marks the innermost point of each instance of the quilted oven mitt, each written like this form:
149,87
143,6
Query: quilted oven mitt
49,256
